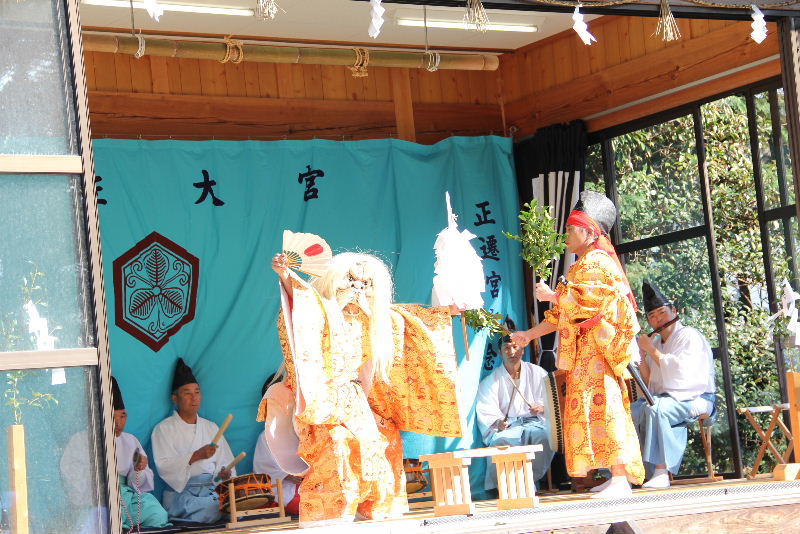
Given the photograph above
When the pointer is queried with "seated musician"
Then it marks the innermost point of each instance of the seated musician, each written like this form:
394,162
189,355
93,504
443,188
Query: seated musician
678,367
136,478
510,407
185,457
264,462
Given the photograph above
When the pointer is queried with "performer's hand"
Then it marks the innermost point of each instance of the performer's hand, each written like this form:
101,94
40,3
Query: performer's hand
224,474
537,409
141,463
520,338
544,293
501,424
646,344
203,453
280,264
455,310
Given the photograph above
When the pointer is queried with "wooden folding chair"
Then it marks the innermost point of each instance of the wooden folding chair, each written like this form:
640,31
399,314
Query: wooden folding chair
766,436
705,423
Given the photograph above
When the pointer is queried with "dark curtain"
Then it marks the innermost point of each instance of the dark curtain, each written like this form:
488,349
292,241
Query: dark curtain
550,168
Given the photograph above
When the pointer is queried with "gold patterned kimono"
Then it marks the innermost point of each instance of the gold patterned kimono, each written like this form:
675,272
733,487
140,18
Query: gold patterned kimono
596,323
351,443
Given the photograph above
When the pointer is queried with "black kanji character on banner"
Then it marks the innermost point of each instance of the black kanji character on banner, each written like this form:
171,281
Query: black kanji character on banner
489,249
99,188
206,185
483,216
493,280
489,358
310,177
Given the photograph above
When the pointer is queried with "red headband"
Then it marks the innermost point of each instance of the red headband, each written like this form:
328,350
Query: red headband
583,220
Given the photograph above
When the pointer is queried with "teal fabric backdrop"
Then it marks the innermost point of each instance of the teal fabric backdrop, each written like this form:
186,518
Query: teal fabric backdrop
384,197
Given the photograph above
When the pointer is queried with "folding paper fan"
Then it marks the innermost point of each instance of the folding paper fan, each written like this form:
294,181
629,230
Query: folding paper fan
307,253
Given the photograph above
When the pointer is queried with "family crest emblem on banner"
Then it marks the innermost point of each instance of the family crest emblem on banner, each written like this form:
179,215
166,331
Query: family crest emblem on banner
155,286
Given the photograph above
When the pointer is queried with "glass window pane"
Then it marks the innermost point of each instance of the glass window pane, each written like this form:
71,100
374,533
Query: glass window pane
42,270
35,61
740,261
62,462
657,179
787,161
680,270
594,179
778,191
783,242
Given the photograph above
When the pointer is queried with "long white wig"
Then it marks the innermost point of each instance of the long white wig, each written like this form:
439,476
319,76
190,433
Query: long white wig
379,293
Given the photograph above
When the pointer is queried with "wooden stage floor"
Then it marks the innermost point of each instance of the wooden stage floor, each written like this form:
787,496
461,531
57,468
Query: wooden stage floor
730,506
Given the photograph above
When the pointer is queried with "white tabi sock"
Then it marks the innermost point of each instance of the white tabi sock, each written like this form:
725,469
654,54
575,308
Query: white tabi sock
618,488
660,480
601,487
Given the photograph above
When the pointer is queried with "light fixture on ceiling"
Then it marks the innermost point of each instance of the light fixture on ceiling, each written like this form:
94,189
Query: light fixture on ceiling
183,8
461,25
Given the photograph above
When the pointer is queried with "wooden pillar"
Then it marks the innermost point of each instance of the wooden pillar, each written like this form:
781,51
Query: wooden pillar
789,37
791,471
403,105
19,479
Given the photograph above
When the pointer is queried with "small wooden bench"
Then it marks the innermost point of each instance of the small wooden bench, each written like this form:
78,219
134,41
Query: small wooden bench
450,478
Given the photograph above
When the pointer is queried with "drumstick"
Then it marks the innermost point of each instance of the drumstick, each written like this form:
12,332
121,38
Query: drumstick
222,430
235,461
231,465
520,393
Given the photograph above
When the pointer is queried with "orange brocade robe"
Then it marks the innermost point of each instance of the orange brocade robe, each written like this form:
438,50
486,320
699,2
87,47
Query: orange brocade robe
596,323
351,442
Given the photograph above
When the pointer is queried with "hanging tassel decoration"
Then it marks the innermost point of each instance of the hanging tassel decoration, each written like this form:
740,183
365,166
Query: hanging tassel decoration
376,18
267,9
581,28
667,27
759,32
476,15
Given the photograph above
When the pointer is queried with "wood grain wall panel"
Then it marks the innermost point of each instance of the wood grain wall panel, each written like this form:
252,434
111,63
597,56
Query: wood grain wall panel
190,77
333,82
131,114
636,38
141,80
682,62
234,79
312,81
562,56
122,73
251,82
105,72
383,83
159,74
268,80
174,75
88,67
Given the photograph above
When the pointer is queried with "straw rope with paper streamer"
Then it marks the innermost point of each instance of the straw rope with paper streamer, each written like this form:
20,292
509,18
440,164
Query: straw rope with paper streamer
786,318
459,270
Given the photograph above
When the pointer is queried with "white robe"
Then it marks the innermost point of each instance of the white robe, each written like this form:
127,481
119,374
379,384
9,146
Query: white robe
174,441
495,393
686,368
126,445
264,462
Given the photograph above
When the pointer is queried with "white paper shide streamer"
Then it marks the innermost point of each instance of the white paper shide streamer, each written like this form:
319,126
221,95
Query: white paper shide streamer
153,9
376,18
459,269
581,28
759,32
789,310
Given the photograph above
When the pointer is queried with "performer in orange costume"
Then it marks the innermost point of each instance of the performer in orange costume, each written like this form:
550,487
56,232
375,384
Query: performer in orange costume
360,370
595,315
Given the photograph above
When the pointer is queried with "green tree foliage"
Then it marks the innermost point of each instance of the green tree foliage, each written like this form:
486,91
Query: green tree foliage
659,191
